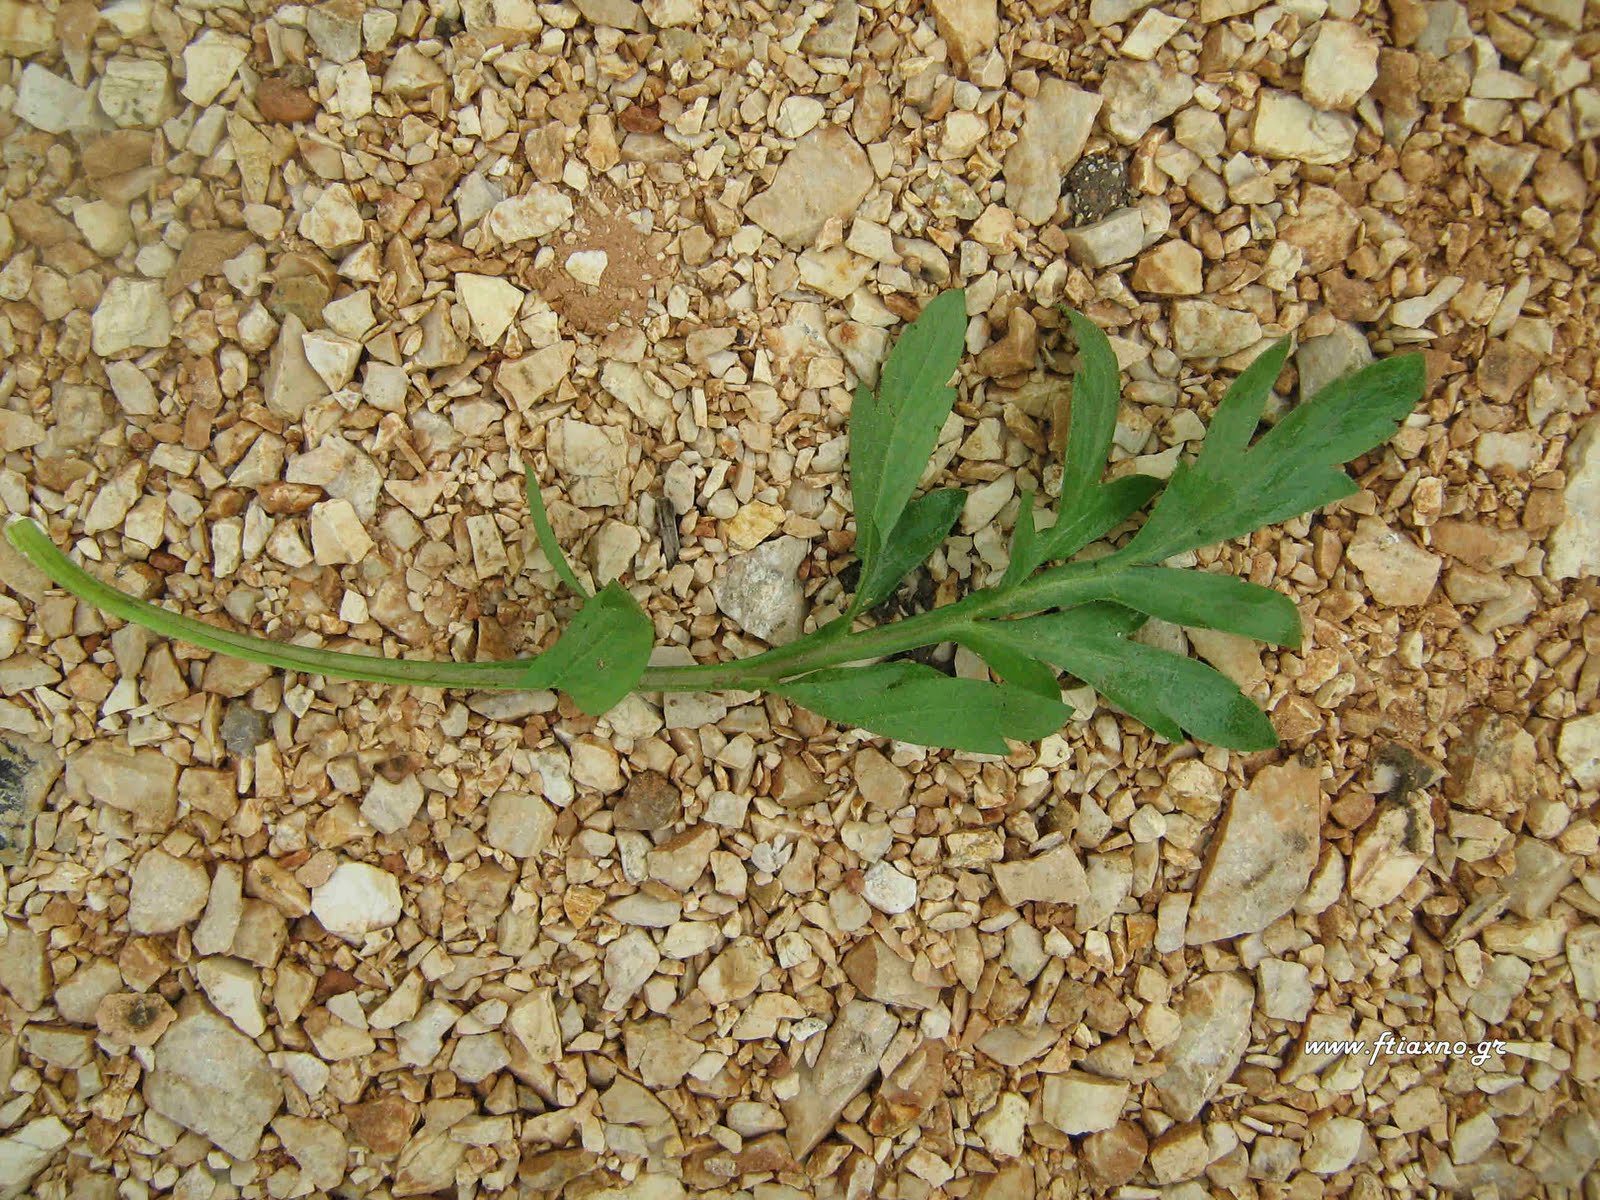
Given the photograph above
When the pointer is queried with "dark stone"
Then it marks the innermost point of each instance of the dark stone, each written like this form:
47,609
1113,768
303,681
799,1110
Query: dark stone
28,770
651,802
243,728
1097,186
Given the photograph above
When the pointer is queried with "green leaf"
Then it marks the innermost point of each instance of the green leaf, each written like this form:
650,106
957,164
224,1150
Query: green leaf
1024,541
913,703
547,537
1233,488
1168,692
601,656
1003,659
1096,394
893,431
922,527
1097,514
1184,597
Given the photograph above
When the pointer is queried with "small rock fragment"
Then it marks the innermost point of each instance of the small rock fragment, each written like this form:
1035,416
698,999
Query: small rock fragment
491,303
969,27
389,807
1077,1102
888,889
1215,1015
1574,545
761,590
826,175
878,973
519,824
1397,572
1285,126
1201,329
131,313
1172,268
1055,877
357,899
165,893
1262,855
334,221
850,1057
210,1078
1055,126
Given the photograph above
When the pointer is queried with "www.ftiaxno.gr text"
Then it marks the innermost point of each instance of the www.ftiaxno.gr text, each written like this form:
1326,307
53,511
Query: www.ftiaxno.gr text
1387,1044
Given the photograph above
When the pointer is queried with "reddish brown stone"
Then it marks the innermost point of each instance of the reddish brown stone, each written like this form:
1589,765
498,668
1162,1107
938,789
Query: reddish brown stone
382,1125
284,102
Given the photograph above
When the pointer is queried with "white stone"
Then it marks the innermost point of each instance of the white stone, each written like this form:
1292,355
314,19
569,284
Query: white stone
1332,1145
104,225
1154,30
50,103
888,890
1077,1102
357,899
1285,126
334,221
629,963
798,116
28,1151
826,175
135,92
1055,126
210,1078
527,380
519,824
1115,239
1397,572
1201,329
210,63
131,313
1341,66
1054,877
26,28
165,893
350,316
332,357
1574,545
390,807
337,534
537,213
234,986
588,266
1578,748
761,590
491,302
1138,94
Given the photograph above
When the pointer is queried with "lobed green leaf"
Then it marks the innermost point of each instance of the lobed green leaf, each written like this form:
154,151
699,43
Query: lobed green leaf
914,703
1007,662
893,431
1233,488
923,525
601,656
1168,692
547,537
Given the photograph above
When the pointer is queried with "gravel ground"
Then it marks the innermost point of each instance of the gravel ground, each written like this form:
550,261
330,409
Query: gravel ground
290,295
